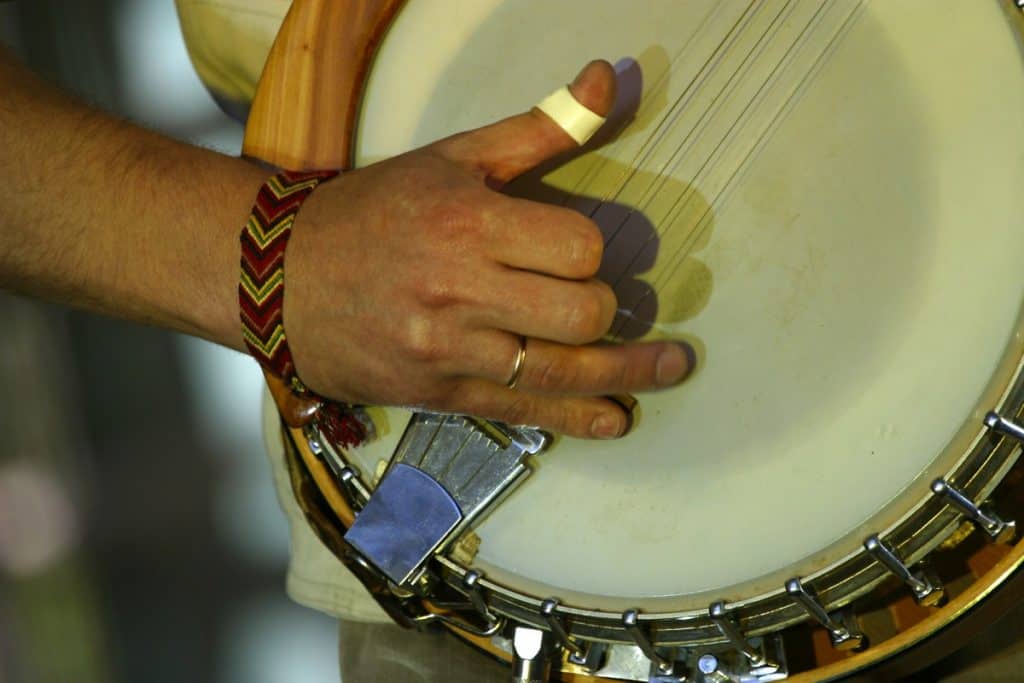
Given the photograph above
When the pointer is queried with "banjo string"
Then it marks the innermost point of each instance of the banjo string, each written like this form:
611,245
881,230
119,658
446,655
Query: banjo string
702,223
712,161
704,119
771,123
707,167
646,147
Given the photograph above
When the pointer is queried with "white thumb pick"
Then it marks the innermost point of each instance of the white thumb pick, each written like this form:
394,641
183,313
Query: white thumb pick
571,116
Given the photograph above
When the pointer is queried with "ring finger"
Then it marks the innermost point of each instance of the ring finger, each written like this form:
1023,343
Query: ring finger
592,370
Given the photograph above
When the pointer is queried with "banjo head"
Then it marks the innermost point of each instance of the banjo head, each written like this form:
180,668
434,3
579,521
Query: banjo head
823,199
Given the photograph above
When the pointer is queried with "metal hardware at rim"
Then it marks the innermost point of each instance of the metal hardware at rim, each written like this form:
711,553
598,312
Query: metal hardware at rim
461,624
730,667
707,665
630,621
471,582
588,655
352,487
1001,425
759,661
841,636
998,530
925,590
531,650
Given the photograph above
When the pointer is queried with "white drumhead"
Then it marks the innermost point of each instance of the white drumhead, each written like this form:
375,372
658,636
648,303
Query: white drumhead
841,245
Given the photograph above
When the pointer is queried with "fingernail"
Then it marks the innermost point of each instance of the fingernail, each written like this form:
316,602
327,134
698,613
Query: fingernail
581,74
606,426
674,364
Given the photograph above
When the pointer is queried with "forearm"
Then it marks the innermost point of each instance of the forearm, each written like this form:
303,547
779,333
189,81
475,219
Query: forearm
103,215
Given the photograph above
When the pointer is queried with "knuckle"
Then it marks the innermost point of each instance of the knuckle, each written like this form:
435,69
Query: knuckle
421,342
565,418
608,302
519,411
462,222
586,248
555,374
615,377
454,218
440,291
586,318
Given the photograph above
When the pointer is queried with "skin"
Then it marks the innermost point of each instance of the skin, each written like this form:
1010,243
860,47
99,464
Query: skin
408,282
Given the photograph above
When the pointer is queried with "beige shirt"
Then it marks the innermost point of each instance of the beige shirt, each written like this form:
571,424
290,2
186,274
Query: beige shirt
228,41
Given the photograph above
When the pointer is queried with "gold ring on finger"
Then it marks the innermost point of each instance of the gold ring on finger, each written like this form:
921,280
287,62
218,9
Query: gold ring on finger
517,368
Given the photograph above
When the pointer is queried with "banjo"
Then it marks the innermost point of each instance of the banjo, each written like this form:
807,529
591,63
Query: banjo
822,197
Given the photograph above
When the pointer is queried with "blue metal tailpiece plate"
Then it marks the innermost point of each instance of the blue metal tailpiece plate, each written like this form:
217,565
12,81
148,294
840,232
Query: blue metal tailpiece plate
407,518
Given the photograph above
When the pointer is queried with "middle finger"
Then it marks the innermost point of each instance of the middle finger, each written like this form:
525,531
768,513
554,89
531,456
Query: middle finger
535,305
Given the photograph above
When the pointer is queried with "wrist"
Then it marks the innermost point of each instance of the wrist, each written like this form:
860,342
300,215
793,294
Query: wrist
227,200
261,290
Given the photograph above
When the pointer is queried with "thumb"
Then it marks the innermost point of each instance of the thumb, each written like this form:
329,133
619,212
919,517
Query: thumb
509,148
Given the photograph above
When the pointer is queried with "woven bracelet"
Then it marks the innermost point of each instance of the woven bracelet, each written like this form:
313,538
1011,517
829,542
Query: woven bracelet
261,293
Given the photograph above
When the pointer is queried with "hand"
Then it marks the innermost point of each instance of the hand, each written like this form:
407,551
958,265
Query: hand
410,282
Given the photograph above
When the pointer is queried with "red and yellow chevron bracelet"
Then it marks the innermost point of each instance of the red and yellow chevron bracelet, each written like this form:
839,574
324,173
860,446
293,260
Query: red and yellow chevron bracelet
261,301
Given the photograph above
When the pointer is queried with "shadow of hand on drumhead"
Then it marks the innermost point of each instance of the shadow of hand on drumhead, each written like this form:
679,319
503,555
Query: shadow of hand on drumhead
652,223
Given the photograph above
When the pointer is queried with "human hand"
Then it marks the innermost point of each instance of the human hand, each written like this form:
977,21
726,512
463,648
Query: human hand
412,281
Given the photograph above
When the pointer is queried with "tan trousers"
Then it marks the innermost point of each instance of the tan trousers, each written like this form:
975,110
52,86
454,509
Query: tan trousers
385,653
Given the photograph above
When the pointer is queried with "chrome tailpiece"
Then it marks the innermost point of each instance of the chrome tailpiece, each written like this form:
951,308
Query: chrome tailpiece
447,471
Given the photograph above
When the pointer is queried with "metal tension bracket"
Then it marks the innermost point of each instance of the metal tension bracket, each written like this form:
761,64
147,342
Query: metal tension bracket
447,471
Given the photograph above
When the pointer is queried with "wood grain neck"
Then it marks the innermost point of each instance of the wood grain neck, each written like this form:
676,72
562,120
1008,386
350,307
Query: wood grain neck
307,103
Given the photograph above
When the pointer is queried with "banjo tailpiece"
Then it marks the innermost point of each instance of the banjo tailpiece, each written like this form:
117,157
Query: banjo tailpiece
447,471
